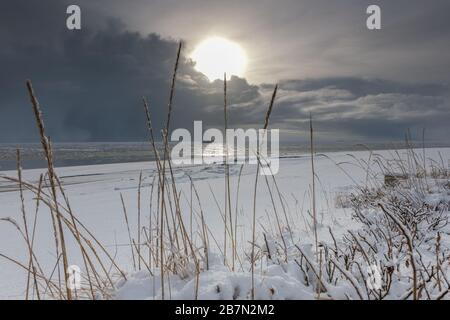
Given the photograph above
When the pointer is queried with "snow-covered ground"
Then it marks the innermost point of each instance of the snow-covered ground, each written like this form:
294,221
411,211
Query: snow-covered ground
94,195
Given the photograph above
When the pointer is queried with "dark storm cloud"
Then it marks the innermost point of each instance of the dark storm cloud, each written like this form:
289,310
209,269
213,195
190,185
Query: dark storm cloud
90,84
362,108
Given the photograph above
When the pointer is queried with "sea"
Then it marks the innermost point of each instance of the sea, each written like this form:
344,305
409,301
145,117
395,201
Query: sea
91,153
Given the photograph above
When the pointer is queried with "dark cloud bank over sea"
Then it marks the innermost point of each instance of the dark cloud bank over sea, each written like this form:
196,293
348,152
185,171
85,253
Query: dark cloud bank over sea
90,84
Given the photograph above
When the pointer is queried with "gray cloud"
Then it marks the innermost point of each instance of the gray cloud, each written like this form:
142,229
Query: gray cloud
90,82
369,109
309,38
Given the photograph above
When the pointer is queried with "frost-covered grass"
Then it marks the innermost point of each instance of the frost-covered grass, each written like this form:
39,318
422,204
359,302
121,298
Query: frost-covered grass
400,251
363,225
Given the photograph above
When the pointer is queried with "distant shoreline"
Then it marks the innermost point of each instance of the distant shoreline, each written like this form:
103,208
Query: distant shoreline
86,154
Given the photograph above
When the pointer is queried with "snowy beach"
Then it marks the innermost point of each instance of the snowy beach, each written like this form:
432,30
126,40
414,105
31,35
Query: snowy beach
94,193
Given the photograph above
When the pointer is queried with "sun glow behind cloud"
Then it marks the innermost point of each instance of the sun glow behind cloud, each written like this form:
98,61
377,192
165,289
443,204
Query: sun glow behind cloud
216,56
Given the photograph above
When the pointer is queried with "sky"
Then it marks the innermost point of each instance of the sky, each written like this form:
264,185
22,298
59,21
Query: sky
358,84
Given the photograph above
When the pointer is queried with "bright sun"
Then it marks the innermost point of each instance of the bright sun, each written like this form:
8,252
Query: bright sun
214,56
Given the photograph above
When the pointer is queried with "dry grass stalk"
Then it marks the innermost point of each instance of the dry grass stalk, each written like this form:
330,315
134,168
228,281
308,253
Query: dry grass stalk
25,224
227,181
237,208
33,233
150,130
128,229
266,124
313,173
73,227
204,227
51,175
165,138
139,221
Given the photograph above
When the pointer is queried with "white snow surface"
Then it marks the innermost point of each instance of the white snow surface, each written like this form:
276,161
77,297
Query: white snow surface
94,194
